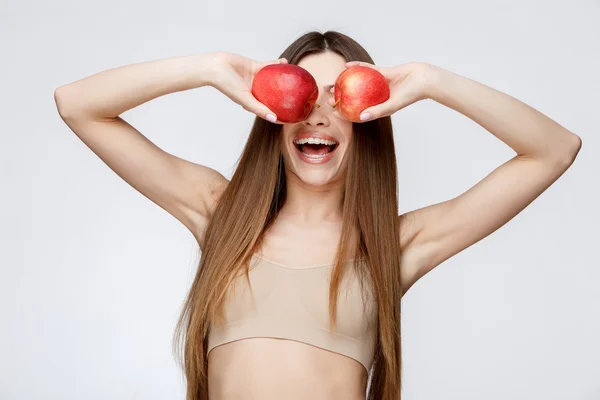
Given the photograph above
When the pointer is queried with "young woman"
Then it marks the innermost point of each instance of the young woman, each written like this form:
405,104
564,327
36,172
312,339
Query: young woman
304,258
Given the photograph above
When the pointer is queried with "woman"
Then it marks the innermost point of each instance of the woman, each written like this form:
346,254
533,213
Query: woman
320,245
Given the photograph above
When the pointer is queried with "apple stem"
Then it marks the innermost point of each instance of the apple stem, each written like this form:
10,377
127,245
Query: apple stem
314,104
336,103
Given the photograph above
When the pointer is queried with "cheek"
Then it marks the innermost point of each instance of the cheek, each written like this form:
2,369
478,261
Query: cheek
349,131
283,137
284,151
283,148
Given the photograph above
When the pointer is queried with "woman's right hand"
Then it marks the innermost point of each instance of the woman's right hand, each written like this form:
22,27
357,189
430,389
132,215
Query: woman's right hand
233,76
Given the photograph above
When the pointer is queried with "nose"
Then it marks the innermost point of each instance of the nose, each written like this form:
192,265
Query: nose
318,115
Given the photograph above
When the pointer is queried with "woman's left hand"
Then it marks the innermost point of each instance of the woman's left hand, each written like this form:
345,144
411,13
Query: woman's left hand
408,82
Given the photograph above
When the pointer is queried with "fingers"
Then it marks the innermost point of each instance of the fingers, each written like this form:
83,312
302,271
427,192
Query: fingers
379,111
251,104
278,61
362,64
371,113
384,109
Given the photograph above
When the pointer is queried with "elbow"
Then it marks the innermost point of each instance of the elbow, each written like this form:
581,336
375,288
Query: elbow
570,152
58,100
577,143
62,102
575,147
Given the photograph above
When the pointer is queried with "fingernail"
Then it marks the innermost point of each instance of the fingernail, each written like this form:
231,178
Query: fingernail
271,118
365,116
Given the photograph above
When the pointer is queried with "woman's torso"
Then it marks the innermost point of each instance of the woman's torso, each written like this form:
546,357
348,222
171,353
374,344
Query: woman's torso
272,368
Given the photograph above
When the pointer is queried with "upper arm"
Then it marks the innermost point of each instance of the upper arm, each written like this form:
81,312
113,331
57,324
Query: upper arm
439,231
182,188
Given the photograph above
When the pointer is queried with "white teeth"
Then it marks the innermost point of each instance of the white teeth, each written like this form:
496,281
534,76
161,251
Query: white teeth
314,141
316,157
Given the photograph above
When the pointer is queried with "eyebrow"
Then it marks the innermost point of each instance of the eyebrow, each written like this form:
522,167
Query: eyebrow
328,87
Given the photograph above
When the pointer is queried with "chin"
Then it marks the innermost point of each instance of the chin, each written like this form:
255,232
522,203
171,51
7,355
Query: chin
314,174
314,180
317,178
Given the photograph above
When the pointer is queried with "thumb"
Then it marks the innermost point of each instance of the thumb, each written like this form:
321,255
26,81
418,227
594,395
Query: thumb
378,111
251,104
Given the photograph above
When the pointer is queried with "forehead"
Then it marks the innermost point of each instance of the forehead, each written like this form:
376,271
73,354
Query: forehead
324,67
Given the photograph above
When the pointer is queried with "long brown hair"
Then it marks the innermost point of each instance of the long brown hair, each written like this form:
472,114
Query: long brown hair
251,202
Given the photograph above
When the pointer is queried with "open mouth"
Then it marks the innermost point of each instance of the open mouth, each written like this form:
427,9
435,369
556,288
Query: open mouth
315,149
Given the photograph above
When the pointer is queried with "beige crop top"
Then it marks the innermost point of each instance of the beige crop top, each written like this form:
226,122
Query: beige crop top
292,303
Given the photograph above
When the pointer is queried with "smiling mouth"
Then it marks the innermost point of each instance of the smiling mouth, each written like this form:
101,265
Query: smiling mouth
311,149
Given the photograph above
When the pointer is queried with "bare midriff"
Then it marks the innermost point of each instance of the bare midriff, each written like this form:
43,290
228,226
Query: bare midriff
275,369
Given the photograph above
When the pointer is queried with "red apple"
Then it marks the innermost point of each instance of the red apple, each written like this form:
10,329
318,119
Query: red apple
358,88
288,90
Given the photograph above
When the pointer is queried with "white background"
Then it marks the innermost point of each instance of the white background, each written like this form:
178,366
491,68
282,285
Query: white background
93,274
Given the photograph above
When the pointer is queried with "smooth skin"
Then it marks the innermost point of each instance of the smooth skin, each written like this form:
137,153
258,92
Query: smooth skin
429,235
544,149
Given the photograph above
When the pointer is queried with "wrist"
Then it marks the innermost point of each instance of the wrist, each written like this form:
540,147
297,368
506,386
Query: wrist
432,77
205,66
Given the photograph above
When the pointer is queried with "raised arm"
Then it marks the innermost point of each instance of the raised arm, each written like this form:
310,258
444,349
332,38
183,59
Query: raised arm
91,107
544,151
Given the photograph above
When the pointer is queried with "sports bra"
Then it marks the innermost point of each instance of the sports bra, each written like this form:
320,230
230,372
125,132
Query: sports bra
293,303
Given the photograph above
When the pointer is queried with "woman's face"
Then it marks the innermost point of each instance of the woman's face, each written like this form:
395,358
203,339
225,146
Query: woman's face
325,68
